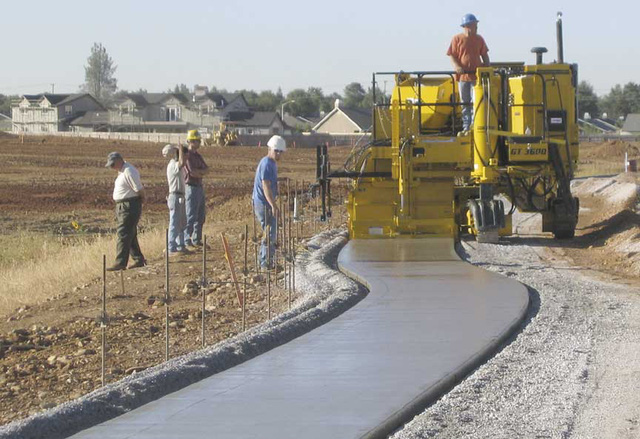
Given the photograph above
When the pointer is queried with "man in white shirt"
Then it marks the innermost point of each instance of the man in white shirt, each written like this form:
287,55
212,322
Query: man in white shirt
176,199
128,193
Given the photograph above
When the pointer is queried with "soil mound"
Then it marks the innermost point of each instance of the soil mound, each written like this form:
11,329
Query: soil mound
610,222
611,150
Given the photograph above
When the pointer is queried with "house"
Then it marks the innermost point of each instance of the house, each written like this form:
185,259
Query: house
49,113
144,112
601,126
343,120
149,112
299,123
631,125
256,123
90,121
175,112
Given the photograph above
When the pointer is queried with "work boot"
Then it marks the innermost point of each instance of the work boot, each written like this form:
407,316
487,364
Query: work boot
117,267
138,264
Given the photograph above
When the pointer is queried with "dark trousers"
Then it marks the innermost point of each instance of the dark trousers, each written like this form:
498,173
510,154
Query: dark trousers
128,214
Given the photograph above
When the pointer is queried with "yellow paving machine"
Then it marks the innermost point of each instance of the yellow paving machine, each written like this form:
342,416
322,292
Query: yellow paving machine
421,175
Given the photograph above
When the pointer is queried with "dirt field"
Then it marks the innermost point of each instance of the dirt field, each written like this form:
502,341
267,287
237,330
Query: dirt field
57,190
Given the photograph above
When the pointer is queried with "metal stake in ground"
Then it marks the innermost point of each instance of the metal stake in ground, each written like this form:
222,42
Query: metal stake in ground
283,242
103,317
204,287
166,295
255,240
274,263
296,215
317,214
245,271
290,257
303,205
268,229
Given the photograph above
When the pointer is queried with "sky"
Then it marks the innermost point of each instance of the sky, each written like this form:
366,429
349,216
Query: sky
264,45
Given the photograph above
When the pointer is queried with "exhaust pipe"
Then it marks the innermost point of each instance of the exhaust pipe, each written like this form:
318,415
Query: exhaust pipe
559,38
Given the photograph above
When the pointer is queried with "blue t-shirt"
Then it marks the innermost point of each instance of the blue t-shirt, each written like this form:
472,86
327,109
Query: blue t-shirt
267,170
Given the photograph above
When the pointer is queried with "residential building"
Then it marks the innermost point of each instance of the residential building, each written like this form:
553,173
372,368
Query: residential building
257,123
299,123
50,113
144,112
343,120
631,125
596,125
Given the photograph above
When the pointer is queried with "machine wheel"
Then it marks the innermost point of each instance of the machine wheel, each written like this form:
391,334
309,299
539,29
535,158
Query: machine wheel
564,226
567,233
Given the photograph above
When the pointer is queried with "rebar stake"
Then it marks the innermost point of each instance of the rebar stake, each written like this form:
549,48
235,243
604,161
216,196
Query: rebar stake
304,207
268,228
255,239
103,319
283,242
316,216
290,256
245,271
275,249
204,287
166,295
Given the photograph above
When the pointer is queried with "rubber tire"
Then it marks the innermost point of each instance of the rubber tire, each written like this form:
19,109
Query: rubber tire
565,233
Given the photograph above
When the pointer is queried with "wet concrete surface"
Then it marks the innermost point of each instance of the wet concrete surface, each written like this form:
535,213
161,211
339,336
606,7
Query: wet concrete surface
428,319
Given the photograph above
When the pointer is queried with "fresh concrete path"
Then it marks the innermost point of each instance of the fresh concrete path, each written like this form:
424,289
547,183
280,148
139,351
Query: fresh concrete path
428,319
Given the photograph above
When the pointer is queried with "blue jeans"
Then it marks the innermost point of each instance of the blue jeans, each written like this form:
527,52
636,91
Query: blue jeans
265,217
466,97
196,214
177,221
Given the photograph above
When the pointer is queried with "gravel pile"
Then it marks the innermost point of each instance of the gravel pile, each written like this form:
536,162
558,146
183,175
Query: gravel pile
573,370
327,294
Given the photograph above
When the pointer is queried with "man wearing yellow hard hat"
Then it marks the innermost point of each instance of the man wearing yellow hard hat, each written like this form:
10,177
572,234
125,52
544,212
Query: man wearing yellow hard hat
194,170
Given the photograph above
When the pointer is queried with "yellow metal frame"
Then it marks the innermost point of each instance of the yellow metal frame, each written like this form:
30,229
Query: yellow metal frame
432,174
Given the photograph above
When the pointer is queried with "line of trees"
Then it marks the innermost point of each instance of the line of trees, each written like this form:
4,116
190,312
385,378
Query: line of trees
100,81
620,101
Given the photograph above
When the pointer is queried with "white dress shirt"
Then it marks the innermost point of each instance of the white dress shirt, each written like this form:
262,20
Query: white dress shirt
127,184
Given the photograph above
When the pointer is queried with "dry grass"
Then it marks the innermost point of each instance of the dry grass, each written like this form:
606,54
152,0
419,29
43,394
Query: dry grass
42,268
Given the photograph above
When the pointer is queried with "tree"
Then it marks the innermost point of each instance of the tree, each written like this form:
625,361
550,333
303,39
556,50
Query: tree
367,102
180,89
98,74
304,104
354,95
587,100
329,102
215,90
5,103
622,100
268,101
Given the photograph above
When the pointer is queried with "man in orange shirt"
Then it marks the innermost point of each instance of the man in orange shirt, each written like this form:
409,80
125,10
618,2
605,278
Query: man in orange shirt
468,51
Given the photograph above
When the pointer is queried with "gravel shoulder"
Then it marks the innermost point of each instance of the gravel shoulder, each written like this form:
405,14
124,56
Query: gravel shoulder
572,371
